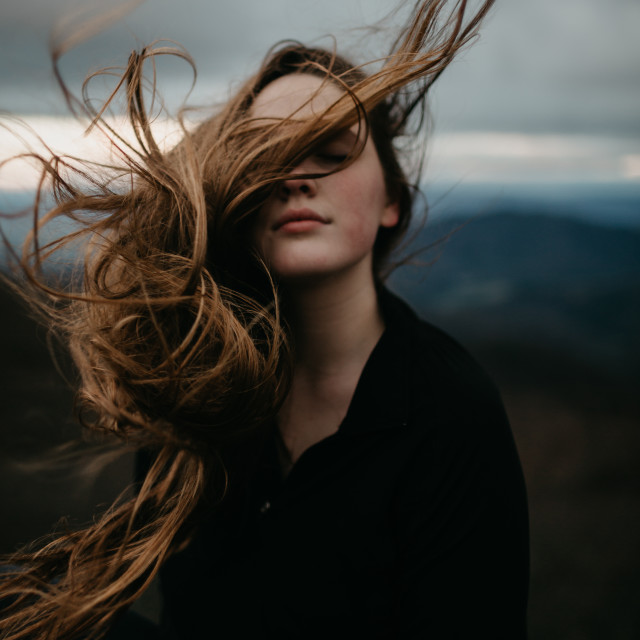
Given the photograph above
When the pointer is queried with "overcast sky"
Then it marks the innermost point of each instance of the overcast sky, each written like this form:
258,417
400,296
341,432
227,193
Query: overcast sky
546,70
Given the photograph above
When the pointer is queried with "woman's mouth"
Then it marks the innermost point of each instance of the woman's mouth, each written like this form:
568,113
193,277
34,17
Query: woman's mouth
296,220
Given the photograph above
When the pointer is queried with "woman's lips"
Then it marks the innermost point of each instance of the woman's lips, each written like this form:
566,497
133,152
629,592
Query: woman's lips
299,220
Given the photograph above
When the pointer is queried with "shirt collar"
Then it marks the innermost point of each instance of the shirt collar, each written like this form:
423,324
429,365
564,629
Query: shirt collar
382,397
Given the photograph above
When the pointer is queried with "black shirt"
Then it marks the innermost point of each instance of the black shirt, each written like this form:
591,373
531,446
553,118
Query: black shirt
409,522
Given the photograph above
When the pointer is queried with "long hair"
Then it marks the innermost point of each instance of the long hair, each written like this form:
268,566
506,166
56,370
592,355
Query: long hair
173,323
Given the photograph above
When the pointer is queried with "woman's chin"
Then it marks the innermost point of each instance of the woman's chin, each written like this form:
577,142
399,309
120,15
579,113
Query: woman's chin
300,267
306,274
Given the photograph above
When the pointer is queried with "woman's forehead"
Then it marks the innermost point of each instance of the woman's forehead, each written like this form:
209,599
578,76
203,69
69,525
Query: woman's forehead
298,95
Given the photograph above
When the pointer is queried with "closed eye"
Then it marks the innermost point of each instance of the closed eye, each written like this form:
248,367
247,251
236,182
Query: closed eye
334,158
332,154
334,151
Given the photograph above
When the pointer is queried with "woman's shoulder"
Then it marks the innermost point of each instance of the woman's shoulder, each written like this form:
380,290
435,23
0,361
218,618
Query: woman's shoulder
455,416
429,351
447,391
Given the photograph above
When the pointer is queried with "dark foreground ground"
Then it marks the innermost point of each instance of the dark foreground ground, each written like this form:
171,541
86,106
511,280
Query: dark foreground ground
576,426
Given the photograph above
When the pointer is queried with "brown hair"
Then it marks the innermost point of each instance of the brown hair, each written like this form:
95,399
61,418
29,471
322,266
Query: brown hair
173,324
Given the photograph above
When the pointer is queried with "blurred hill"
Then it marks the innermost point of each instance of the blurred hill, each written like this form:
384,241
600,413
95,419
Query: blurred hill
550,306
535,280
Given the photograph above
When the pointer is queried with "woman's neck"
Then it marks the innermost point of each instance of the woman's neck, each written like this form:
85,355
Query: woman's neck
335,324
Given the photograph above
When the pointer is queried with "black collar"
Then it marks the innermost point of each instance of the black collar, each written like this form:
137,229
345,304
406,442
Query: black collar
382,397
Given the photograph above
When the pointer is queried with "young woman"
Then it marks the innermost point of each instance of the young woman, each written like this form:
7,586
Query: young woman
315,460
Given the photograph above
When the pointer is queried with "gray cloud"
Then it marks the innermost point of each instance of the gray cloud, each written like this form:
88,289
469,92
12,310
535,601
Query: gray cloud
543,66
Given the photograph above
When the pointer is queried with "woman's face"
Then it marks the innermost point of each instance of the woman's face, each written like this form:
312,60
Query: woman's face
310,228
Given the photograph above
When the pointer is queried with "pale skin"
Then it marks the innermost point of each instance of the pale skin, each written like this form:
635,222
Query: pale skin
317,236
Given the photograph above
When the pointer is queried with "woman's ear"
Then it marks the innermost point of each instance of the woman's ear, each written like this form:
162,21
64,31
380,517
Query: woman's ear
391,215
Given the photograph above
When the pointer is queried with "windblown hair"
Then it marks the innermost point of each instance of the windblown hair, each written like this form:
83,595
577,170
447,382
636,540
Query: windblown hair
174,325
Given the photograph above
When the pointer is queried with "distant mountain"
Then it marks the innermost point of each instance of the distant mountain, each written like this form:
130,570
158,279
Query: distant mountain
533,279
606,204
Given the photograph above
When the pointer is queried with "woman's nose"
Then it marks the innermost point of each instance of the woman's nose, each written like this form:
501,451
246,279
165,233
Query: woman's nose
297,186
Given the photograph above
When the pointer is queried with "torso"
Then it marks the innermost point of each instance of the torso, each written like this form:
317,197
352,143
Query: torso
374,527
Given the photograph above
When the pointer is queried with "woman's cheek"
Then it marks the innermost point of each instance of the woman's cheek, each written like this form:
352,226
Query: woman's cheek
363,230
362,236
